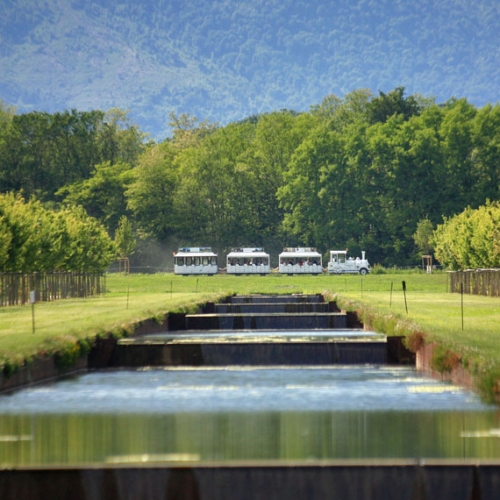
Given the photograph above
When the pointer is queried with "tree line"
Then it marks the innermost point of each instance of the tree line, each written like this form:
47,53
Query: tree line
471,239
36,239
359,172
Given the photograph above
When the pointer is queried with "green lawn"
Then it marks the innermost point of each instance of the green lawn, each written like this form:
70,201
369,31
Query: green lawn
132,298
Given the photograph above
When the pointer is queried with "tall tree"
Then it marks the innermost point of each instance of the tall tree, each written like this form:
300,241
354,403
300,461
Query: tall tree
151,192
394,103
470,239
456,133
304,218
103,194
423,236
214,186
40,152
486,152
125,241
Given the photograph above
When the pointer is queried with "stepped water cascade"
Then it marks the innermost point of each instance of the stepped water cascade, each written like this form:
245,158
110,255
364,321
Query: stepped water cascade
280,397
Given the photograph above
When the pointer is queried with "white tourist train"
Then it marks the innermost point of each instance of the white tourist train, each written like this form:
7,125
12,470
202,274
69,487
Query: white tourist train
306,260
195,260
248,261
254,260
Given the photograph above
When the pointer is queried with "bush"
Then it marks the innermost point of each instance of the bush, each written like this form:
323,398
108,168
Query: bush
378,269
444,360
415,340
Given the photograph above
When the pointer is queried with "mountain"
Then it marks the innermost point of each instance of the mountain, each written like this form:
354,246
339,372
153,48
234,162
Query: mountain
225,60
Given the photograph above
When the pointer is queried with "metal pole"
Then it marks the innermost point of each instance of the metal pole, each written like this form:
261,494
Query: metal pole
462,302
33,316
404,292
33,300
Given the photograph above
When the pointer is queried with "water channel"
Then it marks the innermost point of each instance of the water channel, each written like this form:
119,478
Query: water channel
235,413
313,404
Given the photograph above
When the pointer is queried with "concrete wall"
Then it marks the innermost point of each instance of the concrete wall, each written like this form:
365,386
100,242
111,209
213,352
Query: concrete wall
333,481
457,375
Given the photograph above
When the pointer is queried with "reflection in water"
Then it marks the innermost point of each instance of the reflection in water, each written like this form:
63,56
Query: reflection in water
245,414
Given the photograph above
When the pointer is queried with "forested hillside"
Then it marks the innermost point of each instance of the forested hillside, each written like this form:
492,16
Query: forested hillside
358,172
227,59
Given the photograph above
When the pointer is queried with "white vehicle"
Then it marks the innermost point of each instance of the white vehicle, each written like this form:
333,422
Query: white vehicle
195,260
300,261
248,261
340,263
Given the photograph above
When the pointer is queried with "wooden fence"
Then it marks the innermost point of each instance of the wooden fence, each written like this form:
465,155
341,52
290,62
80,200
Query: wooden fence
15,288
476,282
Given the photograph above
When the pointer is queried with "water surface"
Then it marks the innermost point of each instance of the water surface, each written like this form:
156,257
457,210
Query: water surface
235,413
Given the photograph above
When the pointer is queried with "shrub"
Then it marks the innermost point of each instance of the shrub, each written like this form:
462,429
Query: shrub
444,360
378,269
489,386
415,340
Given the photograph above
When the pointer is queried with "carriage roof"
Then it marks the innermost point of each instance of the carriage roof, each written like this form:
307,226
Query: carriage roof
195,252
247,253
300,252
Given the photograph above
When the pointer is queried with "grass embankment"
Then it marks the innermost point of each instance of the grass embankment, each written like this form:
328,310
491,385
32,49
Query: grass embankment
433,313
466,329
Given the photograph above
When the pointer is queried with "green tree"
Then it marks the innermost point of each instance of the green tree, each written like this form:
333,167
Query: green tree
125,241
90,248
35,239
188,130
469,239
423,236
6,115
151,192
41,152
456,133
486,151
384,106
5,241
305,218
212,200
119,140
103,194
19,220
277,136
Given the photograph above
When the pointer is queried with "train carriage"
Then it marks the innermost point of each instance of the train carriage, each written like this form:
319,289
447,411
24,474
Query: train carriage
195,260
300,261
248,261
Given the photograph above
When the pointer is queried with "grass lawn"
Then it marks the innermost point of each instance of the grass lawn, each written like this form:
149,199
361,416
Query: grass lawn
136,297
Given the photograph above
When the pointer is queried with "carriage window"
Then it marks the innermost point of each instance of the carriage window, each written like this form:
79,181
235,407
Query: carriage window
205,261
180,261
189,261
196,261
213,261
